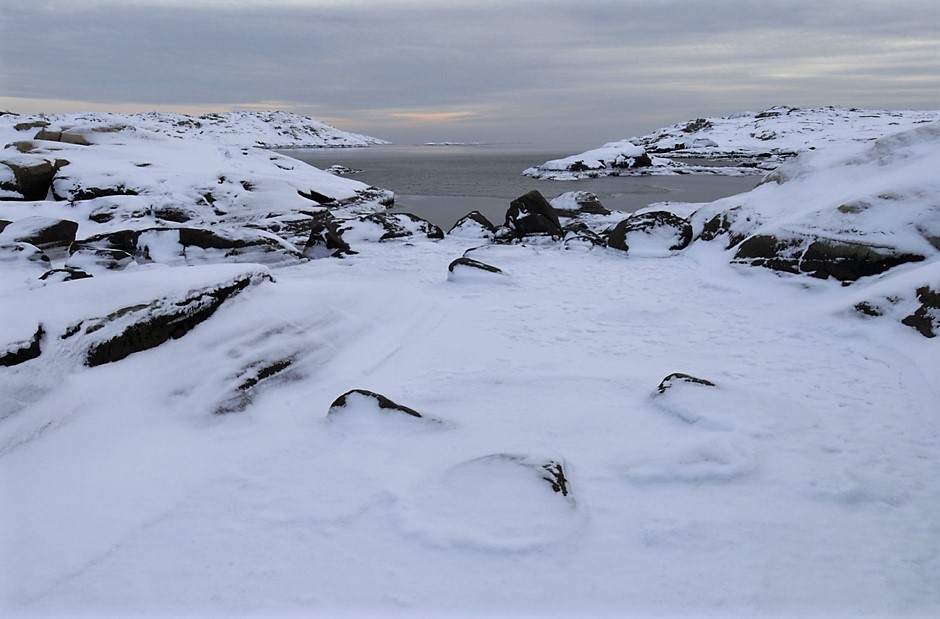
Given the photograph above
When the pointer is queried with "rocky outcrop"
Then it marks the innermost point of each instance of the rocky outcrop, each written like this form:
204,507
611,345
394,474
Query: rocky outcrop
661,229
531,215
141,327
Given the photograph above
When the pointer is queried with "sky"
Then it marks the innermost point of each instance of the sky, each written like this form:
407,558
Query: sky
531,71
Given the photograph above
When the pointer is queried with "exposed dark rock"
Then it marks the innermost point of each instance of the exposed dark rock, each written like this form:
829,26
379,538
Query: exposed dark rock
248,381
868,309
768,251
123,240
463,261
587,203
66,274
158,322
21,352
4,223
698,125
624,162
647,223
721,224
325,238
33,179
926,319
556,477
384,404
319,198
531,214
679,377
43,232
36,124
850,261
173,213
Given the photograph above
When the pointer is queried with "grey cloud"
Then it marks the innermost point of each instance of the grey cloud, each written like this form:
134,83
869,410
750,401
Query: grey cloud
600,68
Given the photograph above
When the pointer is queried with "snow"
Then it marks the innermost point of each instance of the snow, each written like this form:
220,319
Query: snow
801,482
740,144
272,129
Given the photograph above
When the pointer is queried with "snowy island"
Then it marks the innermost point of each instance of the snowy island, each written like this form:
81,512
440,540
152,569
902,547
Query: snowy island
745,143
234,384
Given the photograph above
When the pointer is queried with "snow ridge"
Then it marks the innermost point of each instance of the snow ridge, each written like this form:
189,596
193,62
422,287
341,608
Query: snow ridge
267,129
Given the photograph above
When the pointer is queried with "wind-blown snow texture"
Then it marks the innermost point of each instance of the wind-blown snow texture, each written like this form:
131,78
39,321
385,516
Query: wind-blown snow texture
792,470
745,143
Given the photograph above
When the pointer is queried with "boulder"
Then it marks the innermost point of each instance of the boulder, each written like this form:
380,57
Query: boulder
362,400
654,232
473,225
531,214
43,232
470,263
679,377
33,177
577,203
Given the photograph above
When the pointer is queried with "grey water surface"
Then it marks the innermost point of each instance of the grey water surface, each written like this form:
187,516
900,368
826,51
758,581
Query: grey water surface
443,183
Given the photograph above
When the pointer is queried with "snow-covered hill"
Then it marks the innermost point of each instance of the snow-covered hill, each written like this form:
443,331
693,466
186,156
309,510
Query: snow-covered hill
576,413
745,143
244,129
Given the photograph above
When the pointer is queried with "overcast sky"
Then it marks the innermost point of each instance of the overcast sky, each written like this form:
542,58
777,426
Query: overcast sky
572,71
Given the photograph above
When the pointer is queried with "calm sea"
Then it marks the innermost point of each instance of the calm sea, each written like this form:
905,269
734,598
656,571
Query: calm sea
443,183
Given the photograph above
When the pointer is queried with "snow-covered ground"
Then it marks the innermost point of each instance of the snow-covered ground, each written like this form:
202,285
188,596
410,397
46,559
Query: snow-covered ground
245,129
744,143
605,426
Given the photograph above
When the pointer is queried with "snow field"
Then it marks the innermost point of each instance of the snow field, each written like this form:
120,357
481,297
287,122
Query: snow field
801,483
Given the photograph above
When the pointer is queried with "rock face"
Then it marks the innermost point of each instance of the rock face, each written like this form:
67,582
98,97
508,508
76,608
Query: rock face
821,258
369,399
531,214
657,230
473,264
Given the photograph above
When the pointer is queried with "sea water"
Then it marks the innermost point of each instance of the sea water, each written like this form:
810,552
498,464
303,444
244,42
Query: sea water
442,183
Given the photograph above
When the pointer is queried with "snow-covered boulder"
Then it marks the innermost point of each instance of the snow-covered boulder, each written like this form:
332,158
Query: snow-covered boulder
575,204
26,177
473,225
388,226
652,233
43,232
